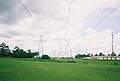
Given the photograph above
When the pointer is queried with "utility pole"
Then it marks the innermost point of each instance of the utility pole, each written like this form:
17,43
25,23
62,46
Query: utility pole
86,49
70,53
112,44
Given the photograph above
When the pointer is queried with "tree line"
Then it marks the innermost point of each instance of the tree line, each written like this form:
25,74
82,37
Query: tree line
5,51
88,55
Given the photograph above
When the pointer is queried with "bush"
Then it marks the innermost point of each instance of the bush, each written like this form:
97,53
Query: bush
45,57
71,61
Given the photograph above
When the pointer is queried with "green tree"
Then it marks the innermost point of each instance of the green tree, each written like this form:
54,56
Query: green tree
118,54
4,50
20,53
29,51
79,56
101,54
96,55
113,54
88,55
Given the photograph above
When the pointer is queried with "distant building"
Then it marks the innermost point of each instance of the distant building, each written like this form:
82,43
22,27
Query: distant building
105,58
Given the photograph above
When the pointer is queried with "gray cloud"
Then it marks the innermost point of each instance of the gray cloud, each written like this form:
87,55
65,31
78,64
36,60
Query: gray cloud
9,34
11,12
49,8
5,35
14,33
6,6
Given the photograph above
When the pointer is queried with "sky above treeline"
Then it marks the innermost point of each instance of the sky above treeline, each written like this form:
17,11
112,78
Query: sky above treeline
64,24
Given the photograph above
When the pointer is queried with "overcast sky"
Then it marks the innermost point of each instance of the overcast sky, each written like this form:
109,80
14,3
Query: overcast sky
23,21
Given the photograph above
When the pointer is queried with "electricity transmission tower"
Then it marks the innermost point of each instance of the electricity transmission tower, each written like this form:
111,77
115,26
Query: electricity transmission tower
41,45
63,45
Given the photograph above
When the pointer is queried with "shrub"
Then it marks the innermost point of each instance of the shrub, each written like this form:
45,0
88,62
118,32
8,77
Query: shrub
45,57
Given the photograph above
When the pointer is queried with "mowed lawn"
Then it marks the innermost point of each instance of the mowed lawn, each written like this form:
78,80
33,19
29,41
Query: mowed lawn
28,70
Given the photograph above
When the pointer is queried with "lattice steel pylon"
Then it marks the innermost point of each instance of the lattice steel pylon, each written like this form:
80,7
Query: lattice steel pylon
65,41
41,45
63,45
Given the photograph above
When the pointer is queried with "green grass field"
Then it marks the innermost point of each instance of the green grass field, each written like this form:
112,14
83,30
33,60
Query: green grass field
12,69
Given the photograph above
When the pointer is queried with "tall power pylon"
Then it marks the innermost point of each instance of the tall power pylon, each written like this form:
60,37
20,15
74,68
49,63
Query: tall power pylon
41,45
63,45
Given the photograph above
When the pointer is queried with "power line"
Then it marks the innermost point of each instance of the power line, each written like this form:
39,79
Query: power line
10,17
2,14
106,16
28,11
25,8
4,21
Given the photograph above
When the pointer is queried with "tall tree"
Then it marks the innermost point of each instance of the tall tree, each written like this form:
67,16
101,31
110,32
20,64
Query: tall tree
4,50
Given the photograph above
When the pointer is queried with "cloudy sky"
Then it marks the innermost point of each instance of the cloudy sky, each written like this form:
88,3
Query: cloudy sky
64,24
